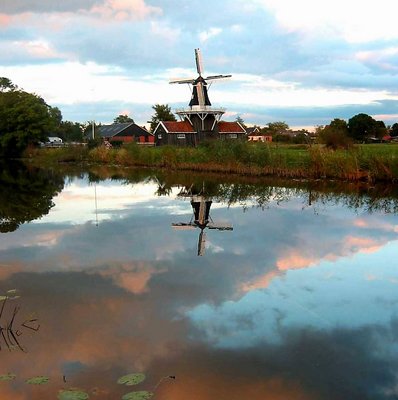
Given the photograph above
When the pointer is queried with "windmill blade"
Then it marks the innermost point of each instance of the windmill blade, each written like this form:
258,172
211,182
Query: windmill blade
199,63
191,81
201,243
183,226
214,77
220,227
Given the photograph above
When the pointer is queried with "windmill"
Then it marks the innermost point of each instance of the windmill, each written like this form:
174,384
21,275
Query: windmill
200,113
201,219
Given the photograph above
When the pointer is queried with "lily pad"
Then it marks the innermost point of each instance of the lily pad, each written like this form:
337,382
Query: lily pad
72,394
142,395
131,379
38,380
2,298
7,377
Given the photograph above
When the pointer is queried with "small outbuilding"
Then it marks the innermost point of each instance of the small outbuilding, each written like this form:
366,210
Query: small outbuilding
231,130
126,133
180,133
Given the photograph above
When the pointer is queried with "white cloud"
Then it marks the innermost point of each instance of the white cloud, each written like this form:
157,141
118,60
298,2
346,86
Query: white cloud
204,36
355,20
165,31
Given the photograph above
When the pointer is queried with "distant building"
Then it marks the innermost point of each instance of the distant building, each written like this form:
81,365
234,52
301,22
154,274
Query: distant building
127,132
254,135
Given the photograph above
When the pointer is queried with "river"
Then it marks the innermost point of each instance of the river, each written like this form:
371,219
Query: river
211,287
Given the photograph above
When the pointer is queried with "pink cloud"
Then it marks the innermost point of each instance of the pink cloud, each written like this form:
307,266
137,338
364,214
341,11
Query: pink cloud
4,20
123,10
354,244
133,277
294,261
261,282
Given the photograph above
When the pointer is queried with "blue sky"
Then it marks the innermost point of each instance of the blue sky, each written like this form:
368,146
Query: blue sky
301,62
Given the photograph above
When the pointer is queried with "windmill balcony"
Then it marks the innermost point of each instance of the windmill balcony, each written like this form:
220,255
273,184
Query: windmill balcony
195,109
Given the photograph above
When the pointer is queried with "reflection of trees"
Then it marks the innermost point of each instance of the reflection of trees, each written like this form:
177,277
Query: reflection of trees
250,192
25,194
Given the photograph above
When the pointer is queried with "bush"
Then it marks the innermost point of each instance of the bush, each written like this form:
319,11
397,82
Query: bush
335,139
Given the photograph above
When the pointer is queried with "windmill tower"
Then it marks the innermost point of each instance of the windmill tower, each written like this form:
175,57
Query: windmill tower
201,115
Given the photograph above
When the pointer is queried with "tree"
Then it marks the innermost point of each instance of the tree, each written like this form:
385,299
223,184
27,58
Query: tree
277,127
6,85
70,131
335,135
362,127
394,130
162,113
122,119
25,118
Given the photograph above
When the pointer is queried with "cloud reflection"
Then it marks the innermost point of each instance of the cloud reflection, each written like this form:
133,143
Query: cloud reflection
298,305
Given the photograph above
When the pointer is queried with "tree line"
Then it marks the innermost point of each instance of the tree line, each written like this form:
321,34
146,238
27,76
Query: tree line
26,119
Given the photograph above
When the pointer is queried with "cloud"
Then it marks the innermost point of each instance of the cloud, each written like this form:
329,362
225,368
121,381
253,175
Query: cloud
204,36
44,6
369,22
123,10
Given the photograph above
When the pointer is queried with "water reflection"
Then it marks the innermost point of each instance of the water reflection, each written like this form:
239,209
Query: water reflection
201,203
25,194
292,304
12,327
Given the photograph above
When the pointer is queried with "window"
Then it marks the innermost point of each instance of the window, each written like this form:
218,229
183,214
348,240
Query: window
233,136
159,136
180,135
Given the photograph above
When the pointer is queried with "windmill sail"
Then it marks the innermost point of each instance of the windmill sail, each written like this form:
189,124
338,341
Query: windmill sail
200,98
199,63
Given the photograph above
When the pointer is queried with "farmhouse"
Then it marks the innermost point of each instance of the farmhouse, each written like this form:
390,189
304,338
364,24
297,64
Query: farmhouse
126,133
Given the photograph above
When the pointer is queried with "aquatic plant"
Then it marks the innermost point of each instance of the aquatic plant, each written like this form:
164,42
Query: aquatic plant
72,394
131,379
7,377
38,380
141,395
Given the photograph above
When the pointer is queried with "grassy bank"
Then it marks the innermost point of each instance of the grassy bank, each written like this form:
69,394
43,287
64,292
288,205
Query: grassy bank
364,162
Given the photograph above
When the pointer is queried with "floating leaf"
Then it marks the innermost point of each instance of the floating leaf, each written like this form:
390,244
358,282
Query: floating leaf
2,298
131,379
72,394
7,377
12,294
38,380
142,395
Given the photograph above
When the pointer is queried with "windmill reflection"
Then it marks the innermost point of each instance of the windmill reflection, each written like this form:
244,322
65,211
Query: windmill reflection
201,203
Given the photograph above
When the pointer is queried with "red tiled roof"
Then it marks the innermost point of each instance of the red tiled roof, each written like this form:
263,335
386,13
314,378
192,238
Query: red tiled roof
178,127
230,127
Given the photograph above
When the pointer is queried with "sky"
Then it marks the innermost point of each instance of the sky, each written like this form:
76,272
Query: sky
304,63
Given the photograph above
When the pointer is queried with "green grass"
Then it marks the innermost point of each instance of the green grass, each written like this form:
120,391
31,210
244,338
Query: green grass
375,162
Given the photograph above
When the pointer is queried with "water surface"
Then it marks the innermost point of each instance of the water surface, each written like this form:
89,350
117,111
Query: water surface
282,292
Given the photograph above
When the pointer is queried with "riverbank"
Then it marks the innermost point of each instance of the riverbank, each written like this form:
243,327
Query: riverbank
371,163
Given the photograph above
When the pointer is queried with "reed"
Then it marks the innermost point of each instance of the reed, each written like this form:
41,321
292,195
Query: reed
359,163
